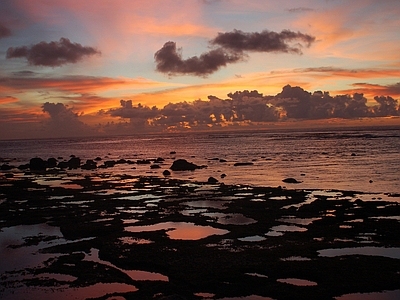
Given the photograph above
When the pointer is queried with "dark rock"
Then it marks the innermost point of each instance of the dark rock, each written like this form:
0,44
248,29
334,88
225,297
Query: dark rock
212,180
23,167
37,164
89,165
238,164
183,165
159,159
63,165
9,175
172,152
166,173
223,175
74,162
98,158
51,162
143,162
109,163
222,160
353,154
290,180
121,161
6,167
155,167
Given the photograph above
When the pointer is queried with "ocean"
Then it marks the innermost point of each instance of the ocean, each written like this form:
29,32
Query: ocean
364,159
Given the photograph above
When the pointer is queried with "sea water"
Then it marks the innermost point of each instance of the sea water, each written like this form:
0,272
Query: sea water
363,159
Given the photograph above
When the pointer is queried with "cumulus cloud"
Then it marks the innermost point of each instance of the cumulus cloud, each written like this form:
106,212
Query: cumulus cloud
169,60
4,31
265,41
52,54
231,47
64,121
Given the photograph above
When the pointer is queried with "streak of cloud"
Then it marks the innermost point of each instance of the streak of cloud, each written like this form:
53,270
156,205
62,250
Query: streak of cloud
265,41
52,54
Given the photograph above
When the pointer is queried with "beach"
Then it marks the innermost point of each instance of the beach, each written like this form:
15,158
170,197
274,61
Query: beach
68,234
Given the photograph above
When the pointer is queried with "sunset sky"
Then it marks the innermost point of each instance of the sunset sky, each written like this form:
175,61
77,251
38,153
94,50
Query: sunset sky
89,67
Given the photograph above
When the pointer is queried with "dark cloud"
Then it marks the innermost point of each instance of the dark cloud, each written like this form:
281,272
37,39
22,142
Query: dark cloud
64,121
265,41
4,31
52,54
169,60
250,108
231,48
299,9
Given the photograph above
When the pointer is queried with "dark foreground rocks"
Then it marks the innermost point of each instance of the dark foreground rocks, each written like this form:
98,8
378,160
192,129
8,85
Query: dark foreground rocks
265,235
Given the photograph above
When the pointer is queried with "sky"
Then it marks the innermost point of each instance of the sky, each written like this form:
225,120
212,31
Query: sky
101,67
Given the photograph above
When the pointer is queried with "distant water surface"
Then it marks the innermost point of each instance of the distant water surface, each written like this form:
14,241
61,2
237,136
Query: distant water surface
363,159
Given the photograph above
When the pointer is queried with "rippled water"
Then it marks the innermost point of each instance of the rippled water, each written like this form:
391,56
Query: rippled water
363,159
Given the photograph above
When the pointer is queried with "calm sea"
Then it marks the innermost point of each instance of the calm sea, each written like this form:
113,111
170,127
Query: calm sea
359,159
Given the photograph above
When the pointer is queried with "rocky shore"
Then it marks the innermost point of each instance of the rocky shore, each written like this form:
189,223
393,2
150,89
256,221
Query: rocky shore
117,236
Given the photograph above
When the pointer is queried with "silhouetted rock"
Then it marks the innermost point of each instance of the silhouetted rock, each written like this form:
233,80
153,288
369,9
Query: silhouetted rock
183,165
51,162
23,167
166,173
74,162
172,152
159,159
89,165
143,162
223,175
63,165
222,160
212,180
109,163
37,164
290,180
155,166
238,164
6,167
98,158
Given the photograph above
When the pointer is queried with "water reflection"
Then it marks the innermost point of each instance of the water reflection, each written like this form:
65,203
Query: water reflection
180,230
374,251
384,295
297,282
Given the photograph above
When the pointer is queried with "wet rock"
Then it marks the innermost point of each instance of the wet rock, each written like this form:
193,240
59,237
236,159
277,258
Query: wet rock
98,158
63,165
89,165
74,162
212,180
183,165
143,161
37,164
155,166
51,162
109,163
222,160
172,152
159,159
291,180
238,164
166,173
6,167
223,175
23,167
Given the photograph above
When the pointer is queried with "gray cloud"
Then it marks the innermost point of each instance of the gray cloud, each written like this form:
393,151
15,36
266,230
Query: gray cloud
169,60
52,54
231,48
4,31
265,41
299,9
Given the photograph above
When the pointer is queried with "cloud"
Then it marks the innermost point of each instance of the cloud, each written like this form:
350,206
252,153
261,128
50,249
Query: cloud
52,54
4,31
231,48
169,60
64,121
265,41
299,9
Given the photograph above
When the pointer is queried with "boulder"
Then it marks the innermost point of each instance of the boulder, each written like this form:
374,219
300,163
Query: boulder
89,165
74,162
212,180
290,180
51,162
238,164
166,173
183,165
37,164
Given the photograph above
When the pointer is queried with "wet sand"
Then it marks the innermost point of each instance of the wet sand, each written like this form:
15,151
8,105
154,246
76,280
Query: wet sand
108,236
